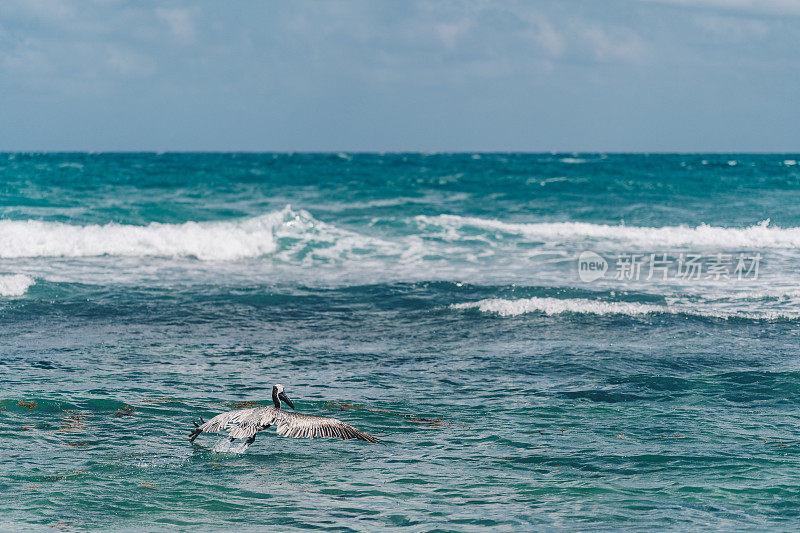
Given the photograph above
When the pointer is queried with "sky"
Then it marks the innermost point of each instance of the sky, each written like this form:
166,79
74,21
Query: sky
610,75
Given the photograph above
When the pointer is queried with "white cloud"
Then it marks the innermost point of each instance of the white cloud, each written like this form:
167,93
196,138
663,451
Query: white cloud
101,42
451,32
775,7
25,59
129,63
450,42
611,44
56,11
87,45
541,32
180,23
732,28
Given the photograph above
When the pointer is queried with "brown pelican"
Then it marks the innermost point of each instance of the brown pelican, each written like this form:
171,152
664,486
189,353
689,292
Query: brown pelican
245,423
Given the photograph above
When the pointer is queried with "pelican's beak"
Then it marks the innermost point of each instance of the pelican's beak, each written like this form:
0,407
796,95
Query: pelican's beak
284,398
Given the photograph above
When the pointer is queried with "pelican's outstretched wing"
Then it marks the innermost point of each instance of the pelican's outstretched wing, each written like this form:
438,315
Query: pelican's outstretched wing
225,420
251,423
301,426
243,422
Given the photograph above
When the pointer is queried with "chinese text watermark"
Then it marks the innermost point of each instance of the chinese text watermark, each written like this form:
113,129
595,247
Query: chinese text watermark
663,266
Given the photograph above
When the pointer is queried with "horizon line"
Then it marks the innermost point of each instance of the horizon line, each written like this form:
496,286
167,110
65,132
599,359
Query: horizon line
398,152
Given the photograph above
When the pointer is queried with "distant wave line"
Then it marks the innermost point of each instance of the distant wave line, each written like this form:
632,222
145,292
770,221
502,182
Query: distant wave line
286,231
555,306
228,240
760,235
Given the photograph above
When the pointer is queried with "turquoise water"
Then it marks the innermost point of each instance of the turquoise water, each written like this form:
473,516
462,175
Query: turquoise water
433,300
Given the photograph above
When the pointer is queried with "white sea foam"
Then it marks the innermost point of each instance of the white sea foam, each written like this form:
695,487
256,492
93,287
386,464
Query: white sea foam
225,445
206,241
556,306
296,235
290,245
14,284
758,236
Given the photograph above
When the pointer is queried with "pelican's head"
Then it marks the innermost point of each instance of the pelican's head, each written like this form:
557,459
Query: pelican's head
278,395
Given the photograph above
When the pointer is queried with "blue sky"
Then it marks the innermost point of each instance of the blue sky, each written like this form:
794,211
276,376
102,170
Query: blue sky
610,75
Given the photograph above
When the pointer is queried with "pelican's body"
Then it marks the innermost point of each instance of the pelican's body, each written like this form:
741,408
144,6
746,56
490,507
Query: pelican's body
245,423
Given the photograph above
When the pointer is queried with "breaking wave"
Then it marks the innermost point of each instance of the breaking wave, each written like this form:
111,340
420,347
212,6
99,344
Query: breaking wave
296,235
206,241
556,306
760,235
15,284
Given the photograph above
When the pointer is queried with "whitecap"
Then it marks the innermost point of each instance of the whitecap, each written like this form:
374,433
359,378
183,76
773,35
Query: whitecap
556,306
15,284
760,235
205,241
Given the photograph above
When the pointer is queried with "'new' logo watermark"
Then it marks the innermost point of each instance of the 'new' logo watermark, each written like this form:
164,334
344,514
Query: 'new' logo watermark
591,266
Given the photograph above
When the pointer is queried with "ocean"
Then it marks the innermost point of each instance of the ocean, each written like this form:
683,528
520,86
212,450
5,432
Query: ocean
542,341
